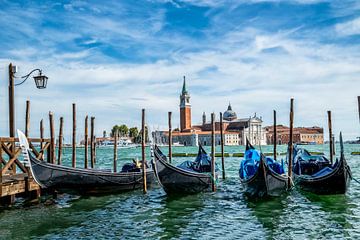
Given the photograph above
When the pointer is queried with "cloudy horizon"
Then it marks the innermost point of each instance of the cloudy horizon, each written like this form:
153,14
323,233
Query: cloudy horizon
114,59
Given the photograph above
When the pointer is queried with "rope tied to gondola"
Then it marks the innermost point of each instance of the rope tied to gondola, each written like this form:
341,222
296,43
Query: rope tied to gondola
214,179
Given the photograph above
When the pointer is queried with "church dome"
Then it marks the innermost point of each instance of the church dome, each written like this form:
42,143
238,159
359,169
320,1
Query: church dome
229,114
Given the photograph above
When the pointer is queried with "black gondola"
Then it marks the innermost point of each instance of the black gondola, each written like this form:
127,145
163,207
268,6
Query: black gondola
64,178
189,177
261,176
317,175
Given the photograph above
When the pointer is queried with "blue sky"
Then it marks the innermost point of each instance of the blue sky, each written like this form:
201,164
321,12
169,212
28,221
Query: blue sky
115,57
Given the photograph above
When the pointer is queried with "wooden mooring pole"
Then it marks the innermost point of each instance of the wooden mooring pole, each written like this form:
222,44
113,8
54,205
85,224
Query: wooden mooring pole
74,136
86,143
12,116
27,119
274,135
115,150
143,150
60,141
52,138
222,145
11,102
359,107
170,137
42,136
213,152
290,160
330,137
92,150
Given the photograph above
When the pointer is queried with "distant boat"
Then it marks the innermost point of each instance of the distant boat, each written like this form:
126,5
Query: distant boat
316,174
188,177
120,144
261,176
64,178
175,144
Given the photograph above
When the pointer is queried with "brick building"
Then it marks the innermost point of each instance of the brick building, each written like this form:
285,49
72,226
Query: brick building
302,135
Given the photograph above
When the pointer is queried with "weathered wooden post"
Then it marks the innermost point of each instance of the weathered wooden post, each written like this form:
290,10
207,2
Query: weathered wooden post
12,116
86,143
60,142
222,145
74,136
290,160
115,150
42,137
275,135
52,138
170,137
330,137
92,150
359,106
143,150
27,119
11,103
213,151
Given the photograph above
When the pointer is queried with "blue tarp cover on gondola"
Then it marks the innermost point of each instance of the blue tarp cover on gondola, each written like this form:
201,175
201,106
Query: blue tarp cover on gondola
311,165
251,161
201,164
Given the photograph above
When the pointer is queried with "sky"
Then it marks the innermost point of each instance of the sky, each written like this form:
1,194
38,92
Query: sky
113,58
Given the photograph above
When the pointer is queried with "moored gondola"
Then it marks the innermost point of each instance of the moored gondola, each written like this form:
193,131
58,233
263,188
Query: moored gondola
188,177
65,178
261,176
317,175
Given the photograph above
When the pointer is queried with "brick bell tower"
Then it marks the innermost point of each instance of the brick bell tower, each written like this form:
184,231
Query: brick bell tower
185,110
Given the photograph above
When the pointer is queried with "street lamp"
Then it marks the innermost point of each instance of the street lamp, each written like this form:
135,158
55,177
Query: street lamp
40,82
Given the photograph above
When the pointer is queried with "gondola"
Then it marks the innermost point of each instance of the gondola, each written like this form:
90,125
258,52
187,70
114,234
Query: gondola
65,178
262,176
189,177
316,174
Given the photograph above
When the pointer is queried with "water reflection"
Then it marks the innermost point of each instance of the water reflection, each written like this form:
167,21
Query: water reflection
338,208
269,212
177,213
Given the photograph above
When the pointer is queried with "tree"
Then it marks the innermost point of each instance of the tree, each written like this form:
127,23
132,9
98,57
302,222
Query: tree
113,130
123,130
133,132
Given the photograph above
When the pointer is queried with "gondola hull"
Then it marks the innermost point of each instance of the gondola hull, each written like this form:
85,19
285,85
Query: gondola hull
175,180
264,183
86,180
335,182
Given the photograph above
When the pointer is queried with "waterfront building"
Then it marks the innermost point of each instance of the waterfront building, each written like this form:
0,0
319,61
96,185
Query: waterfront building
301,135
236,130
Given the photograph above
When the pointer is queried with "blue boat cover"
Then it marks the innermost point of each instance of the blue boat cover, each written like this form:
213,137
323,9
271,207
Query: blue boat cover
201,164
311,165
250,164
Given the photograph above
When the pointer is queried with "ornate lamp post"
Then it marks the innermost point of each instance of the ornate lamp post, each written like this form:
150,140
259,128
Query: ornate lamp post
40,82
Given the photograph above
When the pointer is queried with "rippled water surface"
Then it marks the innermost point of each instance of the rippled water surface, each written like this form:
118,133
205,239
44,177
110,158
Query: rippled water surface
226,214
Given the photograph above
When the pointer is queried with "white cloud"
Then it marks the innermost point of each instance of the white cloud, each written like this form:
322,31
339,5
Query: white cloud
348,28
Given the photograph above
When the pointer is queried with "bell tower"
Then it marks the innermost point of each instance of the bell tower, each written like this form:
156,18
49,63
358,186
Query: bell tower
185,109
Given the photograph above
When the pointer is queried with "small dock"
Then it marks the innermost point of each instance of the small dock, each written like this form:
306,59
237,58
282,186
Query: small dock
15,177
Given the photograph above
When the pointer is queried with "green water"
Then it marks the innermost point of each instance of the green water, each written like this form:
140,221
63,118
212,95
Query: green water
225,214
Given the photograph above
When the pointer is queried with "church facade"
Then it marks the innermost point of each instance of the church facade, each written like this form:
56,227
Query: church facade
236,130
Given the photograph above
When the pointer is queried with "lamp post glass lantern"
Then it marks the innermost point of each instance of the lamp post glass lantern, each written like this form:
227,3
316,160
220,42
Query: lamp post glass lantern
41,81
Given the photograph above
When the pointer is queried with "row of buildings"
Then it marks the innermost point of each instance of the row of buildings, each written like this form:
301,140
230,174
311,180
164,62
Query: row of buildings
236,130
